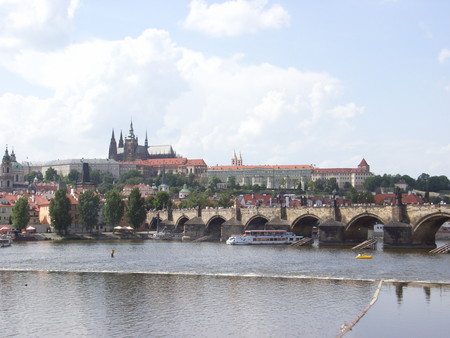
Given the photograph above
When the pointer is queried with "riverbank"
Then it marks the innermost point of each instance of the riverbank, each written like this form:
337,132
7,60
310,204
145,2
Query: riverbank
108,236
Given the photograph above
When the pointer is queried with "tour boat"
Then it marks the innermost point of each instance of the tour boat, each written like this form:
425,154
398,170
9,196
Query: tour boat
362,256
5,241
264,237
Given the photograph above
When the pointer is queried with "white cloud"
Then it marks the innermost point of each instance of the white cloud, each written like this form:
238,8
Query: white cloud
204,107
39,24
444,55
347,111
233,18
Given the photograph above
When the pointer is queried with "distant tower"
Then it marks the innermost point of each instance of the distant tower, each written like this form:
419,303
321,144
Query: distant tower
131,143
146,140
113,147
235,160
121,140
364,165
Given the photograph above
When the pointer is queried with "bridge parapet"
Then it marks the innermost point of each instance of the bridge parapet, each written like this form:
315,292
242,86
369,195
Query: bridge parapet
419,212
248,213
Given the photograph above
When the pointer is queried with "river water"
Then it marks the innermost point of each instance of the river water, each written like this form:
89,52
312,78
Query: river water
172,289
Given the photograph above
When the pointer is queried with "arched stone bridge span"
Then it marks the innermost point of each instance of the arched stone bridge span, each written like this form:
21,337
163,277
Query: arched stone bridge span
405,226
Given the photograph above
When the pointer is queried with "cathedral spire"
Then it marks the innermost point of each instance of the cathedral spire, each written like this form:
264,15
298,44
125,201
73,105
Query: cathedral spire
112,154
121,140
146,140
131,135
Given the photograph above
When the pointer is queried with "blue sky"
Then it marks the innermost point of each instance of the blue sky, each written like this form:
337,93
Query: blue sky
282,82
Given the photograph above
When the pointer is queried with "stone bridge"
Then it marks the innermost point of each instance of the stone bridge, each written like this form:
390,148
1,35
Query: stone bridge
405,226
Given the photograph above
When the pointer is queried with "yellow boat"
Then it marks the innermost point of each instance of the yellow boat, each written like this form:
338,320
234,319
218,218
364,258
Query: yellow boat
362,256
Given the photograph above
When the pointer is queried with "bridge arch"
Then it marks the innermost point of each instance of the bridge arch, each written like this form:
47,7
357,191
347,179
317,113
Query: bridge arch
426,228
358,227
214,227
153,224
256,223
179,224
304,225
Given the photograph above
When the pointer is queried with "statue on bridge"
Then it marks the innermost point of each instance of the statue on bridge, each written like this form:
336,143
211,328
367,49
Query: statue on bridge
398,195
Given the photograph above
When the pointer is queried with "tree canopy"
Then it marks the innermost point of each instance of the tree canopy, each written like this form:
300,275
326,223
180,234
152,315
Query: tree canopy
113,209
88,209
136,211
21,215
51,175
60,212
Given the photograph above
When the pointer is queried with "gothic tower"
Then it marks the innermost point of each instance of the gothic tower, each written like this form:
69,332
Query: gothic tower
113,147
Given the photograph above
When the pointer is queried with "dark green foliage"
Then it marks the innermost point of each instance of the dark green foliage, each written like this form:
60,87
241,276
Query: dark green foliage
161,200
132,177
73,176
88,209
21,215
34,174
60,212
51,175
113,210
136,212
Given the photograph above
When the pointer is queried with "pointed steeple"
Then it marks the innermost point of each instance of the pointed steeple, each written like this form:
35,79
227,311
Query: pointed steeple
131,133
6,157
146,140
13,156
120,140
112,154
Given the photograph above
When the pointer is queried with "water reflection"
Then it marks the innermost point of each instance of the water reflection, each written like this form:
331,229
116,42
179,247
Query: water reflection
399,291
427,291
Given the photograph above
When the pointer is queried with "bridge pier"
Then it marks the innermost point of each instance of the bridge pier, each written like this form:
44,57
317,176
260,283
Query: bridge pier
231,227
331,232
194,228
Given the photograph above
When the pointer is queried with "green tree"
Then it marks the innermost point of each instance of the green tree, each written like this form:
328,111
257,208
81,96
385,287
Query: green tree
224,200
161,200
132,177
34,174
232,182
51,175
88,209
60,212
95,176
21,215
136,212
114,208
73,176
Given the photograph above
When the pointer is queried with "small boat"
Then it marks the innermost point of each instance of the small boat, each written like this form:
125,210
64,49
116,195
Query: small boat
5,241
264,237
363,256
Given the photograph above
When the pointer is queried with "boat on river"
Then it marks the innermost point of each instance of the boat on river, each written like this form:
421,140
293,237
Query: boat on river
260,237
5,240
363,256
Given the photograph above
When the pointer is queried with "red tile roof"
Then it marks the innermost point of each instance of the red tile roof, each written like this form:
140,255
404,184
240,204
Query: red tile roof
391,199
170,162
243,167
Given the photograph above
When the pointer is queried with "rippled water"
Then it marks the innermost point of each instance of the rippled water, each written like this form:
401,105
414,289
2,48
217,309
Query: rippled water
153,288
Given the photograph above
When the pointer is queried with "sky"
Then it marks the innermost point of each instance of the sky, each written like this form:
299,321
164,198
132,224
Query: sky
324,82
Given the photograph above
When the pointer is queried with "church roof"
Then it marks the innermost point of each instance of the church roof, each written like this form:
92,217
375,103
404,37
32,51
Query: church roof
363,163
244,167
160,150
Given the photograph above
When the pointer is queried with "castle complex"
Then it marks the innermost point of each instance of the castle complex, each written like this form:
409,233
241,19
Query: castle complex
129,150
